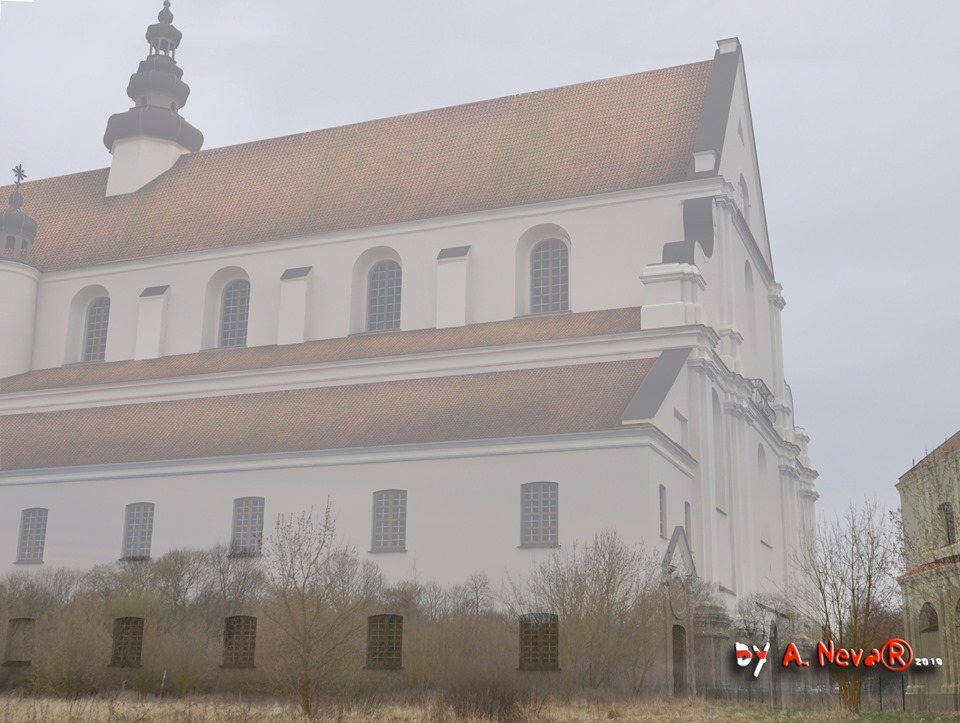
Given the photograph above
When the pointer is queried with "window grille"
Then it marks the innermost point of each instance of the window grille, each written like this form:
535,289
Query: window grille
239,641
234,312
95,330
389,521
549,270
539,641
929,621
33,533
539,514
247,537
384,642
138,531
383,296
127,643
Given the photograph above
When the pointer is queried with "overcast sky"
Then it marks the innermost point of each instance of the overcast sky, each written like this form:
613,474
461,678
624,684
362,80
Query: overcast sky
856,107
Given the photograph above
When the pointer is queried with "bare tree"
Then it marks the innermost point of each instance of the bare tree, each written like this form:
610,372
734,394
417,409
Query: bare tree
849,589
609,598
317,590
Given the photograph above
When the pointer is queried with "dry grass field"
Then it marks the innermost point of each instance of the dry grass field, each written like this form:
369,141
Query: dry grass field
26,710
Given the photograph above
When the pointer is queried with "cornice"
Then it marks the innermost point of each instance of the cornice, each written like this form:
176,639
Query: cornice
509,357
636,436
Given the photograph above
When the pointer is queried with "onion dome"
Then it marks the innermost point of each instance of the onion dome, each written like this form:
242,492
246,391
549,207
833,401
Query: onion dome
17,229
158,93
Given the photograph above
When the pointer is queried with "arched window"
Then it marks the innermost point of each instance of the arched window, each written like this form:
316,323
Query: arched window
949,526
928,619
95,330
956,614
751,297
383,296
549,274
234,312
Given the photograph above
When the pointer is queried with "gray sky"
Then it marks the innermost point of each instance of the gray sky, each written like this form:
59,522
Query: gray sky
856,107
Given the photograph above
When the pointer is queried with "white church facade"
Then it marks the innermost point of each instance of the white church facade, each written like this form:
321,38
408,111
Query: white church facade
482,332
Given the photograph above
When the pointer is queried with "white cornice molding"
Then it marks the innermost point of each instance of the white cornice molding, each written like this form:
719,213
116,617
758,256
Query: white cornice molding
479,360
637,436
683,189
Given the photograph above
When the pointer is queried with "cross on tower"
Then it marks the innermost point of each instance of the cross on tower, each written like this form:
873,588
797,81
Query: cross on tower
19,173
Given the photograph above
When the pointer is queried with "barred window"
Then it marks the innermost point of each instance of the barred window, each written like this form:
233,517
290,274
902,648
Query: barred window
246,539
383,296
33,533
384,642
539,641
137,531
549,270
239,641
539,514
234,311
127,643
389,521
19,649
95,330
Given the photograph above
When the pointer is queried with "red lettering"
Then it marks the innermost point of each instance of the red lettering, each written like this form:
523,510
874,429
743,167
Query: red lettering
893,653
856,656
824,654
842,658
791,655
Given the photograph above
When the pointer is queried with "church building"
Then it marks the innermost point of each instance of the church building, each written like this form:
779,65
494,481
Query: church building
482,332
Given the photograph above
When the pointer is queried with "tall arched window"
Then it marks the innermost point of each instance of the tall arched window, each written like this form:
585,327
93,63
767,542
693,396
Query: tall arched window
744,199
383,296
949,525
234,312
95,330
549,275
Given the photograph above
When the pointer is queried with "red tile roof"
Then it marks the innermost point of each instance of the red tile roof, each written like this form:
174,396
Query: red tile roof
603,136
546,401
363,346
951,445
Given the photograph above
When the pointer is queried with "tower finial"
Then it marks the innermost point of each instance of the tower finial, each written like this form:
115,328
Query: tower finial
19,173
165,16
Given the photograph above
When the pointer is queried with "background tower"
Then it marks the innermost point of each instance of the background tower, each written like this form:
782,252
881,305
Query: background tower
147,139
18,285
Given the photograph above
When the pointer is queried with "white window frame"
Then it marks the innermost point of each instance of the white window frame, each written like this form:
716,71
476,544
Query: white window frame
246,536
539,514
389,529
33,535
137,531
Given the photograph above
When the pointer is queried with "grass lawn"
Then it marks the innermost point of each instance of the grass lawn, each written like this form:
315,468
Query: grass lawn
44,710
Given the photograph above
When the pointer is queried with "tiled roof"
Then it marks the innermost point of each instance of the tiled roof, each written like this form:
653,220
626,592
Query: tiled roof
951,445
598,137
523,403
363,346
934,565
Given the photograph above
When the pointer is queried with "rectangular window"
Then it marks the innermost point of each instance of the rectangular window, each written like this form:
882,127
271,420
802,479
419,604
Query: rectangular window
539,641
19,642
384,642
127,643
389,521
686,523
247,537
239,641
539,514
33,533
137,531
